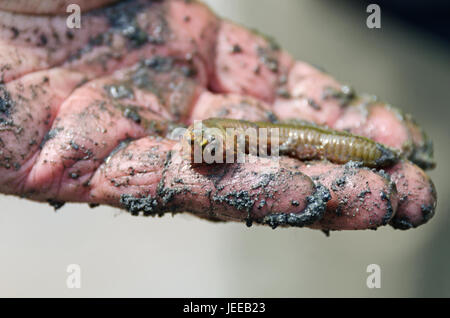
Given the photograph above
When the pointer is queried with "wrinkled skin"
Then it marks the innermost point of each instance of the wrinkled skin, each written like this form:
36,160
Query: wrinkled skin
85,116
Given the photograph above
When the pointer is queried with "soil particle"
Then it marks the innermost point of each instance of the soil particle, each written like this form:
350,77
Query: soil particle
159,64
236,49
74,145
363,193
338,183
241,200
261,204
313,104
134,205
132,114
56,204
344,95
69,35
74,175
271,117
267,57
427,211
6,103
273,44
283,92
389,210
15,33
188,70
352,165
266,178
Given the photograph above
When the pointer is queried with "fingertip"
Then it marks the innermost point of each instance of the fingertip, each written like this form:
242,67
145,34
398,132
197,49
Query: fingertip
417,196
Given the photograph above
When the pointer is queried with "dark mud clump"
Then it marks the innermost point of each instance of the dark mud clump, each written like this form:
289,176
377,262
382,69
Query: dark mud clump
351,166
401,223
389,211
122,18
6,103
338,183
427,211
345,95
56,204
241,200
313,212
388,157
132,114
147,205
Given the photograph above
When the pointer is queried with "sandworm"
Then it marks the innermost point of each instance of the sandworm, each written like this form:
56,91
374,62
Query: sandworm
299,140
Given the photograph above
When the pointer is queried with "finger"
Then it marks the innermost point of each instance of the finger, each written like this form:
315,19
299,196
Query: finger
416,193
27,110
360,198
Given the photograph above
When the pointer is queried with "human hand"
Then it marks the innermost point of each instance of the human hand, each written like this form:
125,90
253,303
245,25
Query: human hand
85,114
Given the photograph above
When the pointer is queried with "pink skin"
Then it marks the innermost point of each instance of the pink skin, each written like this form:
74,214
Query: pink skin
376,122
305,86
65,137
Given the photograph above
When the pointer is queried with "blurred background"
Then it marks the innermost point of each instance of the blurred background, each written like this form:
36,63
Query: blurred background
406,62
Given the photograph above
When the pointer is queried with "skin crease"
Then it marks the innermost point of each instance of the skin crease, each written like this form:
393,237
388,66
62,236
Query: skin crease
85,117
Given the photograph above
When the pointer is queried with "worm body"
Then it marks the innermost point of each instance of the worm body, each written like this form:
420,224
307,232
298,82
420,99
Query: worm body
299,140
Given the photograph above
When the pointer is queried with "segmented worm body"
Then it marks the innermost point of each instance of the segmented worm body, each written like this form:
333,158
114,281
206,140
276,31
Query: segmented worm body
300,140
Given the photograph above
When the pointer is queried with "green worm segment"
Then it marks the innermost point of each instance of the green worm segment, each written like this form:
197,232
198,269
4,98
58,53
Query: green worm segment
304,141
